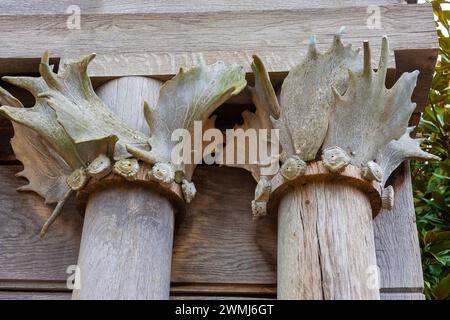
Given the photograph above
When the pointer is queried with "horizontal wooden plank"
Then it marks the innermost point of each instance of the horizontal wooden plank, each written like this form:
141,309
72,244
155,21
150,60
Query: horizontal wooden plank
402,296
218,240
23,254
216,244
161,43
47,7
243,252
34,295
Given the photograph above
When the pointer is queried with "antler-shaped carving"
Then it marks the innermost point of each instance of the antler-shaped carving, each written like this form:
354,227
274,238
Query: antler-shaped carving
306,97
337,103
368,116
70,136
405,148
190,96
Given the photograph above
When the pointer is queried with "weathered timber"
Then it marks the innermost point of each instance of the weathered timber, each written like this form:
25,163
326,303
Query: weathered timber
202,253
326,245
159,43
126,245
22,7
396,239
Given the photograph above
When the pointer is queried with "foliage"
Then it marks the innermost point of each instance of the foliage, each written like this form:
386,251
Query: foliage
431,179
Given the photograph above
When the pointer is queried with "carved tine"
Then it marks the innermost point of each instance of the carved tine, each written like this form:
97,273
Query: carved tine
340,31
8,99
45,57
146,156
384,59
367,71
56,212
149,117
28,83
84,63
410,129
46,71
262,77
312,47
337,41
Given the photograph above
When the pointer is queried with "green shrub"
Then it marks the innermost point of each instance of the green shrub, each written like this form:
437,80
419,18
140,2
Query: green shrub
431,180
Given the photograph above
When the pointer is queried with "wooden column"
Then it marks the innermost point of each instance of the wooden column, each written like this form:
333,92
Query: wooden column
126,245
325,243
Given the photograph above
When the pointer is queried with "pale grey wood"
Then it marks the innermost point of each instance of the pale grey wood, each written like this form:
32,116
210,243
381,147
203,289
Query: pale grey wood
402,296
36,295
126,245
47,7
244,253
24,256
24,295
131,92
396,240
160,43
326,246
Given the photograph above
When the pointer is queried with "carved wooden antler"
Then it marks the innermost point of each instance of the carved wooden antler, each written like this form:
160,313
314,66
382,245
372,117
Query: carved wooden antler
70,136
334,102
332,106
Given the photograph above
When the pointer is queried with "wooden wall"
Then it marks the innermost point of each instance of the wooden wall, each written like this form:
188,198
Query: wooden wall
219,252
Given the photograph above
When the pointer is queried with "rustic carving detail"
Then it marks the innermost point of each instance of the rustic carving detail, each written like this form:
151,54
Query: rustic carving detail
372,171
387,198
336,103
293,167
70,135
100,167
127,168
335,159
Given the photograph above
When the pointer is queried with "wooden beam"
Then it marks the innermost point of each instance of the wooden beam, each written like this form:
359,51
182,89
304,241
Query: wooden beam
48,7
159,43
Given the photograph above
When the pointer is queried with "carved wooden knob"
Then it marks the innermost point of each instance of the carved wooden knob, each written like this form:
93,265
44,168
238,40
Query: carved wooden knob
387,198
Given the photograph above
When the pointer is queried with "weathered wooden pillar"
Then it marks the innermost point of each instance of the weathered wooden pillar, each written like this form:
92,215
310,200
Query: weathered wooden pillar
325,243
332,107
126,245
116,150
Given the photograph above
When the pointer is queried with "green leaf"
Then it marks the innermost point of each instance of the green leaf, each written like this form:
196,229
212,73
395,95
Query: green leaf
442,290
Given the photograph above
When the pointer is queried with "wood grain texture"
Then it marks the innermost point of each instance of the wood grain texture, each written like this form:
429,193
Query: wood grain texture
423,60
126,245
26,295
159,43
130,92
218,241
23,7
402,296
396,240
325,243
203,253
317,172
23,254
36,295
